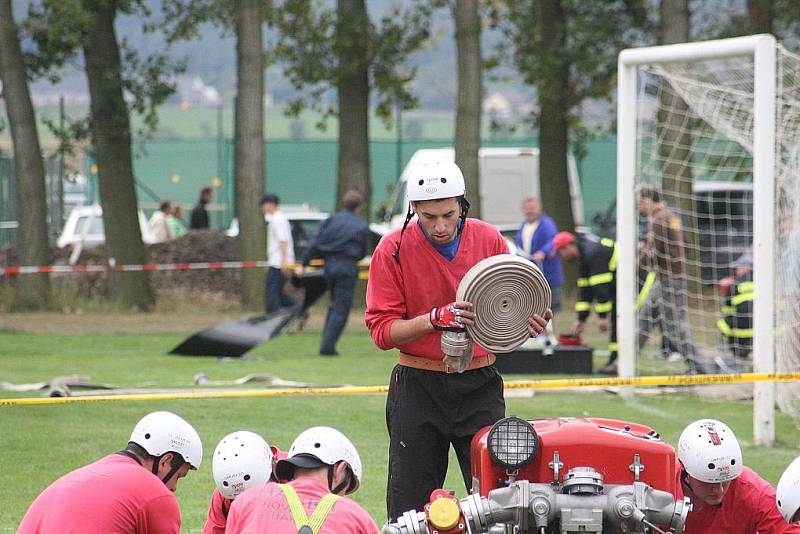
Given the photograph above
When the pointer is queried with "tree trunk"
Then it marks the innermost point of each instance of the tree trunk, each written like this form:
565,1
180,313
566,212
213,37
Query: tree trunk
352,38
761,14
34,249
468,114
676,141
250,175
112,140
554,111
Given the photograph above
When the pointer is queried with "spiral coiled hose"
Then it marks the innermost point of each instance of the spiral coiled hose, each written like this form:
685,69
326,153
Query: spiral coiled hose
504,290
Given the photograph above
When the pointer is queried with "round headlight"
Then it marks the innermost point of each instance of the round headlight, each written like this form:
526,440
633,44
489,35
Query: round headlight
512,442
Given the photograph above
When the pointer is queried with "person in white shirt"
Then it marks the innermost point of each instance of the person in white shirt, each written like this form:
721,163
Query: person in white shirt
280,254
159,224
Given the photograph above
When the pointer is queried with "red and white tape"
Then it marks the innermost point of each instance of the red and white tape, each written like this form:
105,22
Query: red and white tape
200,265
132,268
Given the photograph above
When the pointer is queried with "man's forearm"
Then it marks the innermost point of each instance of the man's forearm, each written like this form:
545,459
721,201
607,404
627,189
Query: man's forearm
406,330
284,247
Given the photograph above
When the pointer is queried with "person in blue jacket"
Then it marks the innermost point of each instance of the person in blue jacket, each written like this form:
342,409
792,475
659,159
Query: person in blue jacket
534,240
341,243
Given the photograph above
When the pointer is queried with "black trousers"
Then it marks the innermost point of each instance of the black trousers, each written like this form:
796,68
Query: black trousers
275,297
426,412
342,286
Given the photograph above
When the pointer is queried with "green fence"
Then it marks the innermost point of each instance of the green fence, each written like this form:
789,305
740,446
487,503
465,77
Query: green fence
8,203
298,171
305,171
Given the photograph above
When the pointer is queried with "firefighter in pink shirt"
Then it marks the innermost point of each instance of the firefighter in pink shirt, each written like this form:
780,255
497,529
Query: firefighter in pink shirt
726,496
242,460
413,277
128,492
322,467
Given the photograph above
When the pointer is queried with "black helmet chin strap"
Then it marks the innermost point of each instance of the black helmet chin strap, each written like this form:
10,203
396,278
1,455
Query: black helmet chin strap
396,253
342,485
463,204
172,471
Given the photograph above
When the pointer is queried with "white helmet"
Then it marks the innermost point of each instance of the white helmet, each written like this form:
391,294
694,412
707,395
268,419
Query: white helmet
318,446
709,451
435,180
787,492
242,460
161,432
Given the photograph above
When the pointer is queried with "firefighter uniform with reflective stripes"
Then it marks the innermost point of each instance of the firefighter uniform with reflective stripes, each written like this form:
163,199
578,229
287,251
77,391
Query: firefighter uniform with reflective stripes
736,324
597,284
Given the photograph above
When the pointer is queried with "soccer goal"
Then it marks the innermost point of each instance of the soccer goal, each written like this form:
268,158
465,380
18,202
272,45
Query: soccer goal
714,129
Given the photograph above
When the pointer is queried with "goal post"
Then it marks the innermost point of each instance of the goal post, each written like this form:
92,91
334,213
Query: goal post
714,104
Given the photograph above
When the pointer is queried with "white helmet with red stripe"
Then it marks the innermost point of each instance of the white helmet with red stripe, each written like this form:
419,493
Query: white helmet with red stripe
709,451
242,460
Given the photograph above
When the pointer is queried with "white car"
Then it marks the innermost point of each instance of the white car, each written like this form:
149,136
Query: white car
85,226
305,223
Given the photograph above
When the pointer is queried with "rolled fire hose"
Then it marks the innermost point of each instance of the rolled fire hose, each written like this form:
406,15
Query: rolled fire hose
504,290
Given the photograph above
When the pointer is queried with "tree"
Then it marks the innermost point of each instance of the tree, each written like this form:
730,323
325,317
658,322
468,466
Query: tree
778,17
250,176
470,90
568,49
353,29
761,14
345,52
111,130
33,247
181,22
675,141
63,28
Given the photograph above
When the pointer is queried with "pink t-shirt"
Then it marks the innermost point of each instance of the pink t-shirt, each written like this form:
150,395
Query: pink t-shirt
265,509
217,514
114,495
422,280
748,507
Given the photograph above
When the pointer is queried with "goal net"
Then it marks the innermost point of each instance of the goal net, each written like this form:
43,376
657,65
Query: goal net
709,216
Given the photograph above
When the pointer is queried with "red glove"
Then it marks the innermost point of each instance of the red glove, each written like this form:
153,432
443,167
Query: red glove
446,318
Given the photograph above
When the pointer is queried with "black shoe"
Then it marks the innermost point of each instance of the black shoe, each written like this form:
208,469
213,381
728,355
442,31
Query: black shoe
328,353
696,368
608,369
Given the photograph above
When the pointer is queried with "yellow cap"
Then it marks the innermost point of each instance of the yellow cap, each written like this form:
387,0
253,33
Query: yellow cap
444,514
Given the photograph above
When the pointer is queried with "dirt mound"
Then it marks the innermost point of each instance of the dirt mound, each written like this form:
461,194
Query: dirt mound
198,246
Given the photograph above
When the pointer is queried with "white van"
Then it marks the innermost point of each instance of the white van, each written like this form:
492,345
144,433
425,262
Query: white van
507,176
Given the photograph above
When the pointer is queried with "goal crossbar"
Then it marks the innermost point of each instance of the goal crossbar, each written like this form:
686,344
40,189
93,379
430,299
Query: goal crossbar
762,49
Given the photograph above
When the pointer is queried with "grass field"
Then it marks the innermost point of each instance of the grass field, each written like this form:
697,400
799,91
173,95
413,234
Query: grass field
39,443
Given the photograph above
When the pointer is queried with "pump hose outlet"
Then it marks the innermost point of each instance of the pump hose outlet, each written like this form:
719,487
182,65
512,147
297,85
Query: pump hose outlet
504,290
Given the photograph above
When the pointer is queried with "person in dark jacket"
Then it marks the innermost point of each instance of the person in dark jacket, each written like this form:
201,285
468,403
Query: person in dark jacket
535,239
597,283
341,243
198,219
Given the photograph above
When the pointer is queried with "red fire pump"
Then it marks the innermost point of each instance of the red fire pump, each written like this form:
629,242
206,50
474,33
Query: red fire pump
564,475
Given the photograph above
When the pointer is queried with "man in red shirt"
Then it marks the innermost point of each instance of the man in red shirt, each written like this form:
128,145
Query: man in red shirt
322,466
726,496
242,460
413,278
128,492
